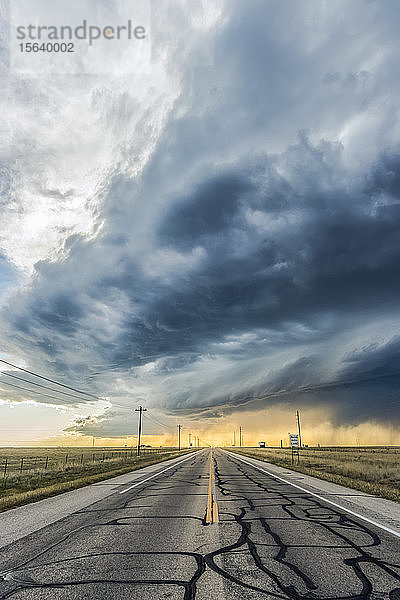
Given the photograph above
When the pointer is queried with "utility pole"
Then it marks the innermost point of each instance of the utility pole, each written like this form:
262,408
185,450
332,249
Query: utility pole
140,410
298,427
234,438
240,436
190,439
179,436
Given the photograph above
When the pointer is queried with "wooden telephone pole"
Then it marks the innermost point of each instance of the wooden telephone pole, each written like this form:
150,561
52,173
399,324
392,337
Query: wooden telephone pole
179,436
140,410
298,427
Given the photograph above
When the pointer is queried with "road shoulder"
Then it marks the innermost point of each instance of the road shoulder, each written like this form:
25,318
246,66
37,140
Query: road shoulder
19,522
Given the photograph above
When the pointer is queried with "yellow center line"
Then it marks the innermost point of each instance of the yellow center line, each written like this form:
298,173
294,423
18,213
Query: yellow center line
212,506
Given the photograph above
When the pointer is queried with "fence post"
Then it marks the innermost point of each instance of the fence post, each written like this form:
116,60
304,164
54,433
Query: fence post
81,459
5,467
47,463
21,465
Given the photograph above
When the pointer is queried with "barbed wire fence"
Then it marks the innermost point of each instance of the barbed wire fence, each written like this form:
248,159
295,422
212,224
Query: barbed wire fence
14,468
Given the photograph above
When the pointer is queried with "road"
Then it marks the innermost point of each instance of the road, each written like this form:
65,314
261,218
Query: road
151,540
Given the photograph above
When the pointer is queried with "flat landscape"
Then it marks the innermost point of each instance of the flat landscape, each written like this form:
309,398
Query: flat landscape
375,470
29,474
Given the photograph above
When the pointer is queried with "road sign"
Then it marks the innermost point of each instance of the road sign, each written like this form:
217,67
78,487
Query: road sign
294,440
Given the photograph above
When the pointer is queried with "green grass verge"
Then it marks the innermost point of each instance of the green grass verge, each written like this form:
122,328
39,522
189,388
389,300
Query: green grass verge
330,471
36,488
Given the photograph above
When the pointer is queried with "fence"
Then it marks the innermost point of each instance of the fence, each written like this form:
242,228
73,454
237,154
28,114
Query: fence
12,467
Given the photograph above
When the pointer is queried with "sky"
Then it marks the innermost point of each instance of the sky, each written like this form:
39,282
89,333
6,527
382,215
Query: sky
214,237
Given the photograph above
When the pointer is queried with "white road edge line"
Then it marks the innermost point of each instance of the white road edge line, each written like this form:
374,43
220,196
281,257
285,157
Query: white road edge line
158,473
392,531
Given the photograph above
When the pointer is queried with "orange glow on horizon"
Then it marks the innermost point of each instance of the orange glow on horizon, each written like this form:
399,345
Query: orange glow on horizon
270,425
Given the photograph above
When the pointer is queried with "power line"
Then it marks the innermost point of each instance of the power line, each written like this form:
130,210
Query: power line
28,390
153,420
147,415
158,422
68,387
39,385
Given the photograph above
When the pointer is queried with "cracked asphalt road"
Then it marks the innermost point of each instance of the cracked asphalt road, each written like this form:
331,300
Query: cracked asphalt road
152,542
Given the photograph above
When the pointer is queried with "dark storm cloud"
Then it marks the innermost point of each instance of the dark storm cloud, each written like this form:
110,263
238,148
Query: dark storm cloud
385,177
374,362
259,248
272,253
209,211
357,393
340,254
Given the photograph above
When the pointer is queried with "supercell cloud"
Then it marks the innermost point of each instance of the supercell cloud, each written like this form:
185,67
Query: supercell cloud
221,233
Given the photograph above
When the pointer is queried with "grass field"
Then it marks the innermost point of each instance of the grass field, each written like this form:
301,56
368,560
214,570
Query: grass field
374,470
29,474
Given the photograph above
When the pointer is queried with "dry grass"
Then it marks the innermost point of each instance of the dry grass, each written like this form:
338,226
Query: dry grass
37,484
372,470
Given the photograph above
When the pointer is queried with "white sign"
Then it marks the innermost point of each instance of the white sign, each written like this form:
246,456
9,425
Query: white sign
294,440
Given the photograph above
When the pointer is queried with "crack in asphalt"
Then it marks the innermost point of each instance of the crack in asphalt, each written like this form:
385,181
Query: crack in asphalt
243,514
342,521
